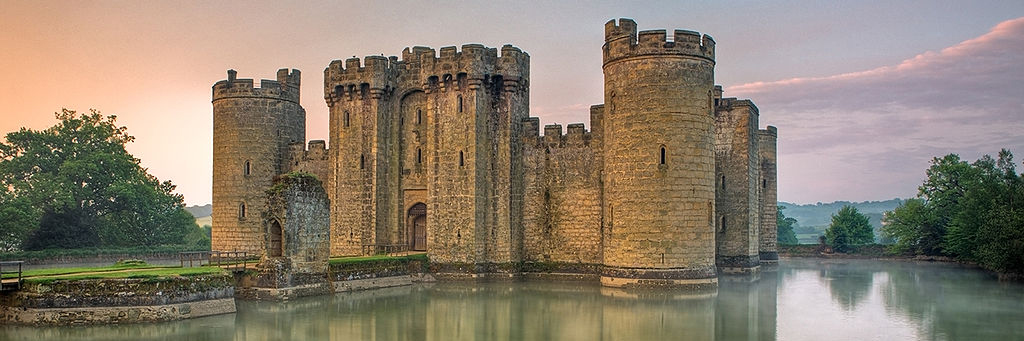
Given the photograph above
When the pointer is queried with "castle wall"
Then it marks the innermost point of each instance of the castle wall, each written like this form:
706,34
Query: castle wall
738,170
659,227
769,194
670,177
562,211
253,127
314,160
442,130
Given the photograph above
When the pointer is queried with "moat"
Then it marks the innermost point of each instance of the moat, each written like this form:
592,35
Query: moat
805,299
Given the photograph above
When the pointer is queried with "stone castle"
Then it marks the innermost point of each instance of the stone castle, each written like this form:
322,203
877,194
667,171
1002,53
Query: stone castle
672,185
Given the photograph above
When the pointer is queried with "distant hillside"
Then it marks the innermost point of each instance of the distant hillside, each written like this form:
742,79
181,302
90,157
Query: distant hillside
812,219
200,211
202,214
821,213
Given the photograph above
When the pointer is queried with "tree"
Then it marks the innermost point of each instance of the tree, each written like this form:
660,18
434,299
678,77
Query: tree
75,185
989,227
912,227
849,228
785,225
971,211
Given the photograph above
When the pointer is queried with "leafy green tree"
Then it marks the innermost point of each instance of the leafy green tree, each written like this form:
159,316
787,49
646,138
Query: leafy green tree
18,218
971,211
75,185
912,227
785,225
199,238
947,181
989,228
849,228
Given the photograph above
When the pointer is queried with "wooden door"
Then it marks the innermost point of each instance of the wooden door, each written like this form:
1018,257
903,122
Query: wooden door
419,239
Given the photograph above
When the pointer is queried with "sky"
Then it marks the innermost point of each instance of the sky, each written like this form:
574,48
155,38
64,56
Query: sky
864,93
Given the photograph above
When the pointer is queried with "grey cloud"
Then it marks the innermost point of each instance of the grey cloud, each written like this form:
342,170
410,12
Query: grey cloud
877,129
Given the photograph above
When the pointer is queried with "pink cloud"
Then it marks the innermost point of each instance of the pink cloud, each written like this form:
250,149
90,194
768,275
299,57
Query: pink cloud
869,134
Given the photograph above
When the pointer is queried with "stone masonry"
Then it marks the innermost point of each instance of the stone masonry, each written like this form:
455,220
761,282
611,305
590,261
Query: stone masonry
253,128
436,151
737,164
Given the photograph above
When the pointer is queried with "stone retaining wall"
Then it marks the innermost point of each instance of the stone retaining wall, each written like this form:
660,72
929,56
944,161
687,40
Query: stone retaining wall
123,300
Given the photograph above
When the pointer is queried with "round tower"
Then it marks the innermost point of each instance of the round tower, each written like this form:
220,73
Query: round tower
659,158
252,129
769,195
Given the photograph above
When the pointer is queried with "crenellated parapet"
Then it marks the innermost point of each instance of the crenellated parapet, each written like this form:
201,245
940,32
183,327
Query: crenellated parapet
732,102
576,135
474,67
285,88
317,151
622,41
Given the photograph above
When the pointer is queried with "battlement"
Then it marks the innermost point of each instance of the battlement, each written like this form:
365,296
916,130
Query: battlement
732,102
576,134
285,88
623,41
317,150
770,131
473,65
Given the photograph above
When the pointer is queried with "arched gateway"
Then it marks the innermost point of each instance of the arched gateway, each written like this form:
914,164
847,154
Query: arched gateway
417,223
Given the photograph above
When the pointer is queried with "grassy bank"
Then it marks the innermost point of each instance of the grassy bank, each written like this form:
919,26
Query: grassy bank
143,273
870,251
95,252
371,259
128,269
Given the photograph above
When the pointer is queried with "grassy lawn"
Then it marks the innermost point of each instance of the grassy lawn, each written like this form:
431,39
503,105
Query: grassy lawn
129,269
142,273
352,260
68,271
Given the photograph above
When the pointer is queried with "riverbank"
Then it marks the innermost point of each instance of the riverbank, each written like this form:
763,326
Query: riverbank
881,252
127,297
872,251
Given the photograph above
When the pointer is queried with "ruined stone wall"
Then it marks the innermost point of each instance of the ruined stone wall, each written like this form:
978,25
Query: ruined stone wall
562,211
253,127
769,194
738,170
659,226
299,207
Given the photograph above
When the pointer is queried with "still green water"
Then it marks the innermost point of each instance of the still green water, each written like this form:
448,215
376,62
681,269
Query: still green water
801,300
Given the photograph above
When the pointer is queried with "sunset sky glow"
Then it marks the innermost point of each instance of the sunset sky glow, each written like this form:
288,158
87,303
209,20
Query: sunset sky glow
864,93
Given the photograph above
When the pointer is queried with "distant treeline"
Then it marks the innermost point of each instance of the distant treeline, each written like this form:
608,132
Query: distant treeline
971,211
813,219
820,214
